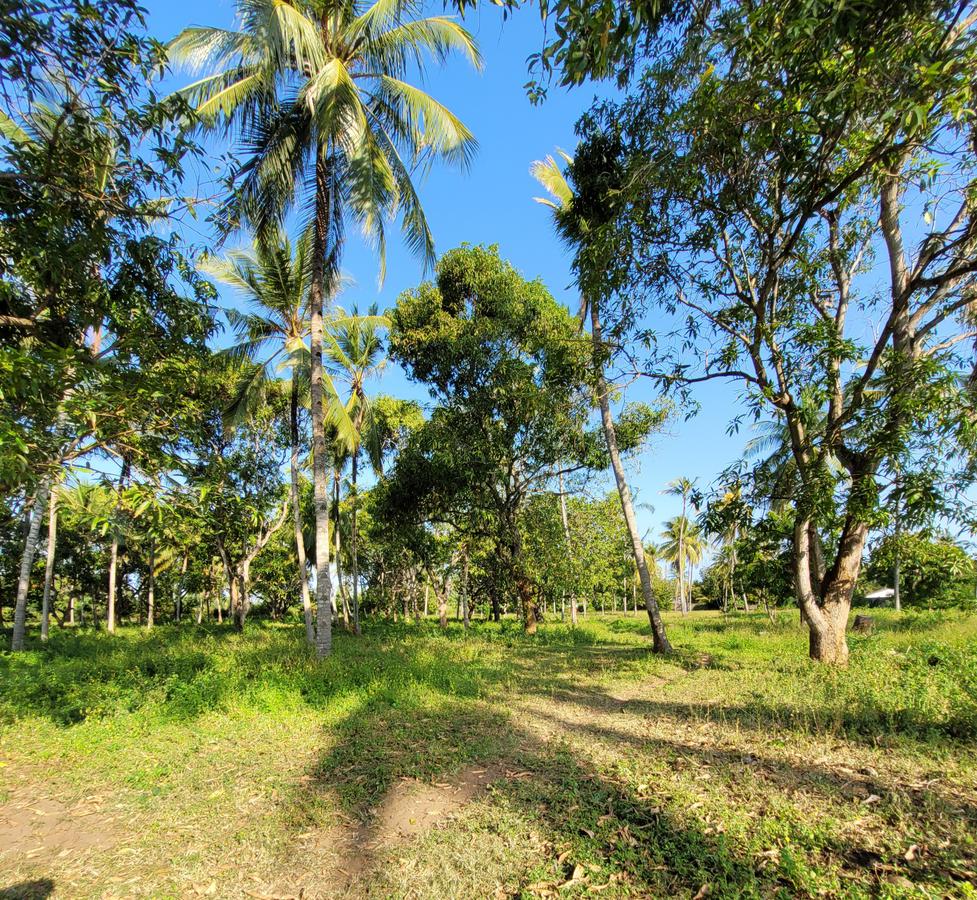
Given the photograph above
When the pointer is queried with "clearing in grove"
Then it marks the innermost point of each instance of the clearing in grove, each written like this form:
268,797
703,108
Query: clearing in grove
415,763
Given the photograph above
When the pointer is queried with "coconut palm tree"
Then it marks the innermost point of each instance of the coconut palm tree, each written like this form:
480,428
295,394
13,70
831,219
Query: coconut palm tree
684,488
317,89
683,545
550,175
355,354
273,278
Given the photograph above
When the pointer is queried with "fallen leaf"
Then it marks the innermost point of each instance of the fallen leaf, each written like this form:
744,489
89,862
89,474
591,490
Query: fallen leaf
205,890
870,799
911,853
703,892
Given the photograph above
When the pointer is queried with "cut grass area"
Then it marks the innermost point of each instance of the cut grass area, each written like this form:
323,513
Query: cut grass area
217,764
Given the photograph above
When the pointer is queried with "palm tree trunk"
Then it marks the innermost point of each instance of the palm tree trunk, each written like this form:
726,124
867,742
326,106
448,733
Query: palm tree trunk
566,538
352,550
340,587
297,512
151,594
465,610
114,561
52,545
320,471
113,567
27,563
660,639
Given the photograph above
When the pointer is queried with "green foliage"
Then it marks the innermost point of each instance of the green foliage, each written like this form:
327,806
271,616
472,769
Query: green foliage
744,188
933,570
503,362
295,85
100,314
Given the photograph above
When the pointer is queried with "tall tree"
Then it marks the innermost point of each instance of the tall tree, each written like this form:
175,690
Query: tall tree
317,90
95,304
681,487
274,279
550,174
683,546
355,353
767,156
500,357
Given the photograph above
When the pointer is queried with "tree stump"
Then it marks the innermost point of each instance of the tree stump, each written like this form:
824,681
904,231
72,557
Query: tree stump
863,624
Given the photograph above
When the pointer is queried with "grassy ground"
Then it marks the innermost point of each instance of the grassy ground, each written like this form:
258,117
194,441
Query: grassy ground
418,764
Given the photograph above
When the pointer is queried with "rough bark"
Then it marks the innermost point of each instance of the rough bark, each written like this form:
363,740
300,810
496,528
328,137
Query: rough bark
320,470
826,612
27,563
660,638
524,587
52,547
297,513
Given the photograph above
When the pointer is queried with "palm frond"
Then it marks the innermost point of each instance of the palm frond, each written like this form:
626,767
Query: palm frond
408,43
12,131
549,174
431,123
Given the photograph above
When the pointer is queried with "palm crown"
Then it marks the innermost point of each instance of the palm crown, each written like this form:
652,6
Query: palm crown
306,75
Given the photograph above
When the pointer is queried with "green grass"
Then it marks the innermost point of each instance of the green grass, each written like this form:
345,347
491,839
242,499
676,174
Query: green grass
241,763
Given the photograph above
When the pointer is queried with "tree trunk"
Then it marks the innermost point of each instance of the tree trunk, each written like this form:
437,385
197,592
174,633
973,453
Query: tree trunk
827,615
442,596
465,612
52,546
151,594
297,512
113,566
340,587
320,470
660,638
244,591
178,600
524,587
114,558
566,538
352,550
427,591
27,563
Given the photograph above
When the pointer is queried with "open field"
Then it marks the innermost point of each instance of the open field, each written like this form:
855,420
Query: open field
411,763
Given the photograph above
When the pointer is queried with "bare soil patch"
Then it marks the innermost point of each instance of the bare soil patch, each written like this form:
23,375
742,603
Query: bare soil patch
34,827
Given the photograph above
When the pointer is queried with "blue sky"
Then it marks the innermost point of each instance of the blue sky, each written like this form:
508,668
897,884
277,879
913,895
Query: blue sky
492,203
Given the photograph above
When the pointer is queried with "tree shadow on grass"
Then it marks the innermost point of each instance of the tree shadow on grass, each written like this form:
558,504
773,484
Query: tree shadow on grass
587,818
918,801
861,722
645,844
28,890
